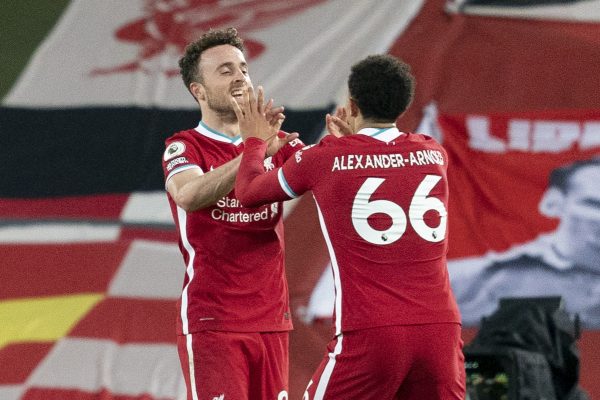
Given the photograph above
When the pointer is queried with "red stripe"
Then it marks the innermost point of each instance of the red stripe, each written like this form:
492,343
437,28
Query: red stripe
22,359
130,320
47,270
105,206
64,394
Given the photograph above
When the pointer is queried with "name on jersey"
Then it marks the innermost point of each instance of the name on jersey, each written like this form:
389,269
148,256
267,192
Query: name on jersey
396,160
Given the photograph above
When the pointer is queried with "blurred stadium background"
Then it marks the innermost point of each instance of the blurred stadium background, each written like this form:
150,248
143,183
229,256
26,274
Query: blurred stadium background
89,266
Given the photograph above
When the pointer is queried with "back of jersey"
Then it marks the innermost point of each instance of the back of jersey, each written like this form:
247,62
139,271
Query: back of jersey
382,198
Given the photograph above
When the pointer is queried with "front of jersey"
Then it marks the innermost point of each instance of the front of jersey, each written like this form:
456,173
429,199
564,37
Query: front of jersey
234,255
382,198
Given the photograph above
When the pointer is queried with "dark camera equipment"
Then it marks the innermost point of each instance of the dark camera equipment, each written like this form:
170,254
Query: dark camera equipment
525,350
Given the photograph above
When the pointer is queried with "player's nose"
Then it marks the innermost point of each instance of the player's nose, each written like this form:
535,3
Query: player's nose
239,75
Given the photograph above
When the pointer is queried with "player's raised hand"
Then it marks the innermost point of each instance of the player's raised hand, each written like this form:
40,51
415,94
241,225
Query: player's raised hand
275,116
279,140
251,115
337,125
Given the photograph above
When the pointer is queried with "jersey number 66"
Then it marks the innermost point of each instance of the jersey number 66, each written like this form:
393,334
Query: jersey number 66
362,209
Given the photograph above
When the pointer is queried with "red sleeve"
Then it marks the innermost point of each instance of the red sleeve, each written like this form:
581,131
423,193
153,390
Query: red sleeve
179,155
288,150
254,186
304,170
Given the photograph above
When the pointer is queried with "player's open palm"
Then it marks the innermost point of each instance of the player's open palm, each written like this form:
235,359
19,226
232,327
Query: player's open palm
251,115
338,125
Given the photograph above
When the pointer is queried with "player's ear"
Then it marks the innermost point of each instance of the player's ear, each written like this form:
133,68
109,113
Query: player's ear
198,91
552,203
353,108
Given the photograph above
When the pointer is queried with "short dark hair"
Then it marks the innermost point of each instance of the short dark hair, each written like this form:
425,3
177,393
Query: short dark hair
382,86
188,64
560,177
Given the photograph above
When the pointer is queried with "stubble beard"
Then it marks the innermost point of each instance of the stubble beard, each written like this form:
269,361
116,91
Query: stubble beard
221,107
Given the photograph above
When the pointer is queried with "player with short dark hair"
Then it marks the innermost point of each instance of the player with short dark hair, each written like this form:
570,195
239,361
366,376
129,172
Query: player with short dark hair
234,313
188,64
382,200
381,89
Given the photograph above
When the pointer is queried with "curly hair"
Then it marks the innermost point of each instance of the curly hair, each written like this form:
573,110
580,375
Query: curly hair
382,86
188,64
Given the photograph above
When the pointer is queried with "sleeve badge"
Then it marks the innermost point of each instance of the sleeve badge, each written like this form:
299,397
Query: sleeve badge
173,150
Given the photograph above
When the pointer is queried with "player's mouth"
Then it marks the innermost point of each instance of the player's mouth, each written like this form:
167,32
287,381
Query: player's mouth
237,93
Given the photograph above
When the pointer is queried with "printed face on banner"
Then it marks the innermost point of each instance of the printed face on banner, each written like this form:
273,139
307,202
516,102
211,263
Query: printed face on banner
169,25
524,210
579,228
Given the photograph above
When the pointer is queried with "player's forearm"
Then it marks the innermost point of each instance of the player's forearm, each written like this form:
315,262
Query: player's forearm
207,189
254,187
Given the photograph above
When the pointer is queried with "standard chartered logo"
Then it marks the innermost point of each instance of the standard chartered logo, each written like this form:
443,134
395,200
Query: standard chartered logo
224,213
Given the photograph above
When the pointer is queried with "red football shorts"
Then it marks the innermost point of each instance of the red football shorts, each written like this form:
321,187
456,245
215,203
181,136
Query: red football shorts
235,365
408,362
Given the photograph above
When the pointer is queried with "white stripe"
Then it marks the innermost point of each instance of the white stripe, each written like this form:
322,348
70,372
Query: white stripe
182,217
190,351
429,124
91,365
289,206
142,272
11,392
147,207
326,375
284,185
336,273
322,298
57,232
181,169
585,11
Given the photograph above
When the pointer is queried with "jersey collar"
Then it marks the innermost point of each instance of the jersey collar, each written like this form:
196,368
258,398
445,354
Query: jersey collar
213,134
383,134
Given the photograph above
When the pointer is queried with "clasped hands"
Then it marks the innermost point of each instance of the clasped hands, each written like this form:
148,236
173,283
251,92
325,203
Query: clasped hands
260,120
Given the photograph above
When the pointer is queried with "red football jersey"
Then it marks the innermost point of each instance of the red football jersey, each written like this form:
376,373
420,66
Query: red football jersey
382,199
234,255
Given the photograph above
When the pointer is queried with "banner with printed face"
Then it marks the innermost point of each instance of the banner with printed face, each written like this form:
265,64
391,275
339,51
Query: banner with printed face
525,209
